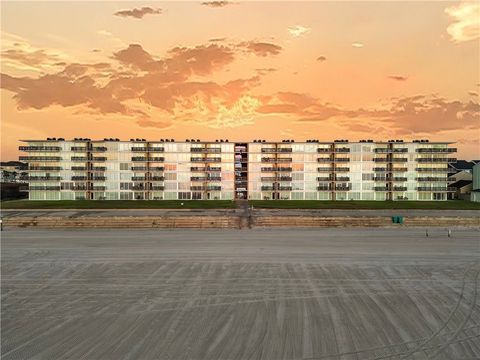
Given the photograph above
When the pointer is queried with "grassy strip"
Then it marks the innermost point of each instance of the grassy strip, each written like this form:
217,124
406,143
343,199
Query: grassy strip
118,204
312,204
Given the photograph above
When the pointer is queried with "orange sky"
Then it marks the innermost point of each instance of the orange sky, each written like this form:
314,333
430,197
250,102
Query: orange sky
241,70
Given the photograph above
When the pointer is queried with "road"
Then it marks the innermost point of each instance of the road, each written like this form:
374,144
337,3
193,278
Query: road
335,294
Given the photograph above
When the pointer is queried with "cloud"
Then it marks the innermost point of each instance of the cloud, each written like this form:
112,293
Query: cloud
298,30
217,39
32,58
357,45
321,58
473,93
261,48
138,13
397,77
466,21
216,4
264,71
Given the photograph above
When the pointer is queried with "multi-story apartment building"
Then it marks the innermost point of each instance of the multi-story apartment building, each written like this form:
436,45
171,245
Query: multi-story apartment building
155,170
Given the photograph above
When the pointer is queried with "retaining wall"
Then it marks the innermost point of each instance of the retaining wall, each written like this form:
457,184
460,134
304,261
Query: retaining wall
235,222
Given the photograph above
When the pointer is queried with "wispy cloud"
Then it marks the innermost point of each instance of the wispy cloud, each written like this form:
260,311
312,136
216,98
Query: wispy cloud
398,77
138,13
357,45
321,58
466,21
473,93
216,4
298,30
261,48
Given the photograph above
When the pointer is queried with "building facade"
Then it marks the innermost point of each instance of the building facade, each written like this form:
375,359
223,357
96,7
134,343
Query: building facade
111,169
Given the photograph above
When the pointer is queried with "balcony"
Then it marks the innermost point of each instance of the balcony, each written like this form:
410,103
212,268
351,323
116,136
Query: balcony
215,159
79,168
284,169
99,188
39,148
214,178
438,170
157,187
214,168
78,148
197,159
284,178
284,160
47,188
325,169
268,178
99,168
325,150
436,150
40,158
400,179
44,178
267,188
206,150
432,179
78,158
268,169
393,150
139,158
99,149
138,178
264,159
156,159
342,160
198,169
324,178
342,169
157,168
342,150
197,188
399,188
138,168
79,178
284,188
214,188
380,188
325,160
324,188
140,187
435,160
99,158
284,150
45,168
156,149
342,188
398,169
436,188
139,149
399,160
382,159
198,178
379,179
99,178
380,169
342,178
157,178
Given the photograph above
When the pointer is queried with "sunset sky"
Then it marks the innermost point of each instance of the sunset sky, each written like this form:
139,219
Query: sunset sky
241,70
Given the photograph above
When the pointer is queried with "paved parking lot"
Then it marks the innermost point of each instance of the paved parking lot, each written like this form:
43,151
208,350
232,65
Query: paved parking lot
253,294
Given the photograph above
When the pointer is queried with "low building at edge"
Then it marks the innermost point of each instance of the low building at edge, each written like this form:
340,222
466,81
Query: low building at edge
111,169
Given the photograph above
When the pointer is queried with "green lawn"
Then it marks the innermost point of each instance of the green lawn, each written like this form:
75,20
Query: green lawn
118,204
312,204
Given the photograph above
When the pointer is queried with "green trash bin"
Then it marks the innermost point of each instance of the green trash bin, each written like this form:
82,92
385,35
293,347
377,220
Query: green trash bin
397,219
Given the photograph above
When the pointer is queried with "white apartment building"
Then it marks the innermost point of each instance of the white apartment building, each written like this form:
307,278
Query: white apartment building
111,169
